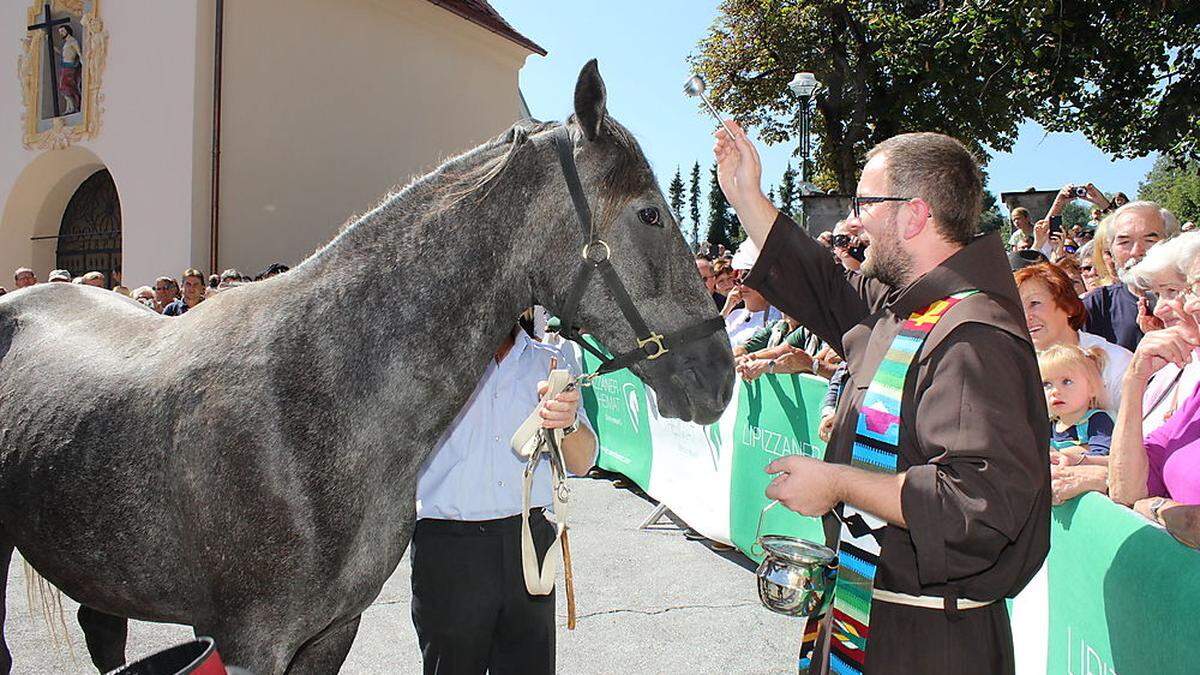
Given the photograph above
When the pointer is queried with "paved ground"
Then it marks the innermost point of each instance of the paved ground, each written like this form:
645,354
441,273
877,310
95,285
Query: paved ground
648,602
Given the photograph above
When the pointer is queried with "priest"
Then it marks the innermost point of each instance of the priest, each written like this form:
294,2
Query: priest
935,484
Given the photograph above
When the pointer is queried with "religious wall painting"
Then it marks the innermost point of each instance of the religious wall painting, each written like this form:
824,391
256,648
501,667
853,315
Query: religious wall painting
60,70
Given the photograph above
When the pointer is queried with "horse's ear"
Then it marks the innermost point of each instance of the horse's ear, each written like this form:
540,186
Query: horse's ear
590,100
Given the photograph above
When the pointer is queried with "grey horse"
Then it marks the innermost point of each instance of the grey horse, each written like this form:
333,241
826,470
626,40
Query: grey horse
249,469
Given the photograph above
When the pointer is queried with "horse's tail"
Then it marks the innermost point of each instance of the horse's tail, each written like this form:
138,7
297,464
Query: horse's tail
44,599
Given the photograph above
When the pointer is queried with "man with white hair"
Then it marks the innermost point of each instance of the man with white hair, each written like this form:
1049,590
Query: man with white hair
1112,311
24,277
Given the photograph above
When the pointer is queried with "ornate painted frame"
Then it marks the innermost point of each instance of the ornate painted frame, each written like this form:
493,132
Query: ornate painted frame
29,72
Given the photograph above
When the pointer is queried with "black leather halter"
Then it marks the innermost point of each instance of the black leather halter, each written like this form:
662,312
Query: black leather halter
596,255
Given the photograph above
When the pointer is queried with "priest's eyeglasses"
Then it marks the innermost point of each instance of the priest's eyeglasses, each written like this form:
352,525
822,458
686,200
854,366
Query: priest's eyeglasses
857,202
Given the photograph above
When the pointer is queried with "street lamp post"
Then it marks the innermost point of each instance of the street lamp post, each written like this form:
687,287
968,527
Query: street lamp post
803,85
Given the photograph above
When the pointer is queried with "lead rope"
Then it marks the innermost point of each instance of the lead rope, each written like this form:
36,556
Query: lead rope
532,442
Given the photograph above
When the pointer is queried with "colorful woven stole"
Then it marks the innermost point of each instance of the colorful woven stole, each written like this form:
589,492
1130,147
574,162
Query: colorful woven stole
876,442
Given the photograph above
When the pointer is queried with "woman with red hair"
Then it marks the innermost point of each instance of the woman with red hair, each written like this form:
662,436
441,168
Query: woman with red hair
1055,316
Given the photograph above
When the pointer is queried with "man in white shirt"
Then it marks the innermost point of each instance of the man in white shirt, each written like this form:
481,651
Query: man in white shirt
1022,228
470,607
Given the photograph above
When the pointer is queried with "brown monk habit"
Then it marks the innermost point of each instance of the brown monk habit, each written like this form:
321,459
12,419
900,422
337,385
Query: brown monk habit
974,436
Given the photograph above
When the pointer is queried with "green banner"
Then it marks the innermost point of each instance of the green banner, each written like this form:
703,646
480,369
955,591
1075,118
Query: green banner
777,416
617,407
1117,595
1123,594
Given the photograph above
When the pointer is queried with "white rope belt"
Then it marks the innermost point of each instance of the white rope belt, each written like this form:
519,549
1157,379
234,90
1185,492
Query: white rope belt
925,601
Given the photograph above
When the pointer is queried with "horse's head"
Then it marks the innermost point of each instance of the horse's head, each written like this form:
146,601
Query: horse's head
633,225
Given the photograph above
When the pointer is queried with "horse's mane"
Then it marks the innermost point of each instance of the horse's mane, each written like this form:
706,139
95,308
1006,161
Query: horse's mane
626,175
477,180
467,176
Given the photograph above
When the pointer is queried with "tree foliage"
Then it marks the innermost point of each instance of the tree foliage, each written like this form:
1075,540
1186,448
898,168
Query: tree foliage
991,220
787,191
1175,186
1126,74
722,225
694,203
1075,214
675,197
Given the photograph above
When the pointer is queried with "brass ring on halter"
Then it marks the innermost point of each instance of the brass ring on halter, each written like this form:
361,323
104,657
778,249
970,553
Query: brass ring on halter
656,340
588,249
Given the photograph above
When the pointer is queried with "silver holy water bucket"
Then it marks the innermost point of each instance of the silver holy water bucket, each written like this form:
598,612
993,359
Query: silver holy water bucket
796,577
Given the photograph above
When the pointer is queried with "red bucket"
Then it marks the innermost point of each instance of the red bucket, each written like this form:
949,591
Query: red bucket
198,657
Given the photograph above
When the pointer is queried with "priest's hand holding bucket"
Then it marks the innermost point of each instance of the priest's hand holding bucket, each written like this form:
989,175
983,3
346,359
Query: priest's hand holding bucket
805,485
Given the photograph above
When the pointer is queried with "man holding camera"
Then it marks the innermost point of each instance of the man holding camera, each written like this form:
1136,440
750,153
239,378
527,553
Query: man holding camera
945,500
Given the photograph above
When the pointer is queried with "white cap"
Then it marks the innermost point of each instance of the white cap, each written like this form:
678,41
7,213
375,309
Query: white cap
746,256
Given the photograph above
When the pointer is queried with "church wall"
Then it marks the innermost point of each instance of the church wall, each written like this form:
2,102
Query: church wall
333,102
146,137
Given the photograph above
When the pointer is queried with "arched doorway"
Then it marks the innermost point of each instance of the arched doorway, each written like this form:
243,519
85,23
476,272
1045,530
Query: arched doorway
90,235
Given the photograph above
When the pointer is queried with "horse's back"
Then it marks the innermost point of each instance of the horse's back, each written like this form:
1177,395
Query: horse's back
77,453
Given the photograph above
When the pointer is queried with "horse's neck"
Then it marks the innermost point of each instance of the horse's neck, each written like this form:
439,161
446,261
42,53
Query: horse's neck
425,302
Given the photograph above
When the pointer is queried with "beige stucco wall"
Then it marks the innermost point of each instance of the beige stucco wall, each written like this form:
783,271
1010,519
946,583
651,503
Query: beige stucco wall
328,104
147,140
331,103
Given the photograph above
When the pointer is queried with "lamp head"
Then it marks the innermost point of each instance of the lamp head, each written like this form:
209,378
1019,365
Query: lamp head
803,84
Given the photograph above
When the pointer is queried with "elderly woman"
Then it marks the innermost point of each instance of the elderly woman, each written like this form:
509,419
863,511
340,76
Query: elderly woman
1162,275
145,295
1055,316
1088,272
1161,280
1161,470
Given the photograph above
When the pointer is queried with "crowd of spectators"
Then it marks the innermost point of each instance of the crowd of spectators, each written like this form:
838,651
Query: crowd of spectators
168,296
1113,310
1112,307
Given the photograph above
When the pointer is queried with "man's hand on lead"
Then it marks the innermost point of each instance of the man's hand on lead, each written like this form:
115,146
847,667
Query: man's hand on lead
558,412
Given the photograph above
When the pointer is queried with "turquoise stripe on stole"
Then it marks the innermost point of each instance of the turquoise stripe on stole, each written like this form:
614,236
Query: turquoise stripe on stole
840,666
857,565
868,455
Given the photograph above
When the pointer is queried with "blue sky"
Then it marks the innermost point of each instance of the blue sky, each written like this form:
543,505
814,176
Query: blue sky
642,46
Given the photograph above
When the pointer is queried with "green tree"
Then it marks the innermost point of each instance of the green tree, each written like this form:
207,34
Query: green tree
991,220
1125,74
1074,214
675,196
1175,186
720,220
787,190
694,204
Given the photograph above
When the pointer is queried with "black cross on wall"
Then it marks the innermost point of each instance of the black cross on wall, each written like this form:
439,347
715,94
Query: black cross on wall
48,24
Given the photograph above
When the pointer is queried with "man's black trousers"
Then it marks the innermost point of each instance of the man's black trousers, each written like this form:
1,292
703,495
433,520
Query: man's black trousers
469,605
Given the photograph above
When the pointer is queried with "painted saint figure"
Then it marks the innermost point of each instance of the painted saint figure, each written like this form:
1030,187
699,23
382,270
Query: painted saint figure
70,69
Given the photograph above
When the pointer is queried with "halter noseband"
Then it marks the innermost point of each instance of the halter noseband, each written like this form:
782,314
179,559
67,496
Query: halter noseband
596,256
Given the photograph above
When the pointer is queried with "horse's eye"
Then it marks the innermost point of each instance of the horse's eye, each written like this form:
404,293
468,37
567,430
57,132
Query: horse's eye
649,216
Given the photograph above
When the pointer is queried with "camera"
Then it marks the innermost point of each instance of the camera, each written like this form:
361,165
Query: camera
841,241
1080,192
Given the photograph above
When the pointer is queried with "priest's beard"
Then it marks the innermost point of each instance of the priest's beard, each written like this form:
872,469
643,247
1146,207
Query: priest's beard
887,260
